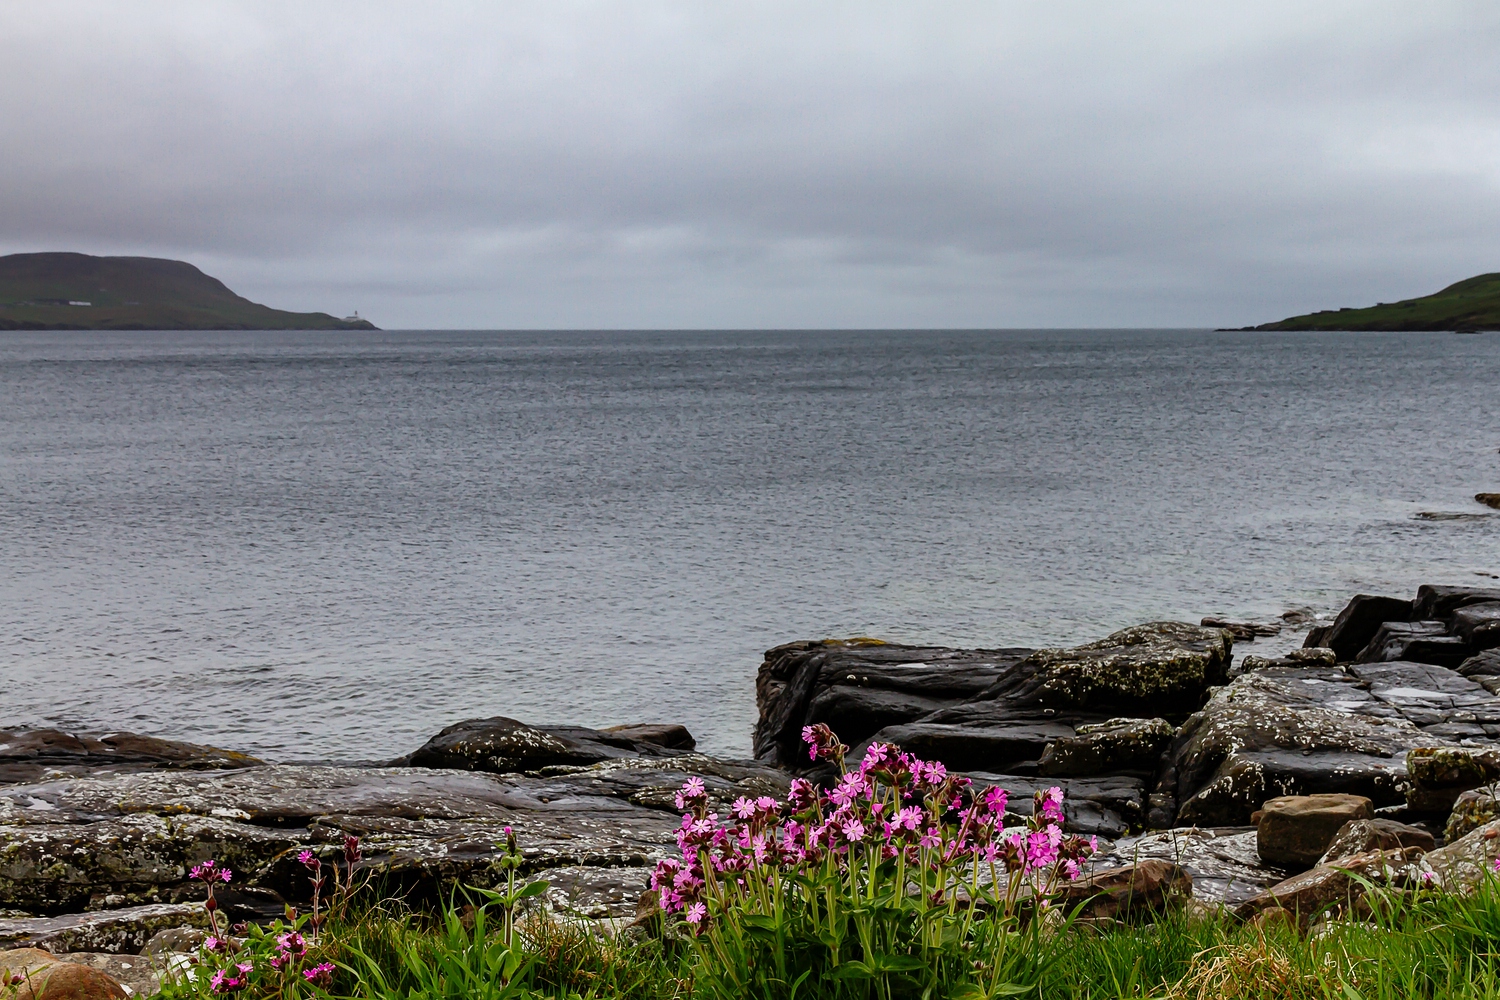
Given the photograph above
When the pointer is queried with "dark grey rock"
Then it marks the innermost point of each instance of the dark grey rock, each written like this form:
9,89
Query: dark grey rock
1280,731
1104,747
505,746
795,675
1108,806
31,754
1482,664
1356,625
1439,602
1478,624
1223,862
972,746
1422,642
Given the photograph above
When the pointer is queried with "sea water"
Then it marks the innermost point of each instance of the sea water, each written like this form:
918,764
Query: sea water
331,545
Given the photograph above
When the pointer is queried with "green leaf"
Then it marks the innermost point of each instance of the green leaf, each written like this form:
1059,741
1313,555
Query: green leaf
895,963
531,889
853,970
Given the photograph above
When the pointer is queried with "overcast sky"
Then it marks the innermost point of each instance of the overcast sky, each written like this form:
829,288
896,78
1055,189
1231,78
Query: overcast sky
801,164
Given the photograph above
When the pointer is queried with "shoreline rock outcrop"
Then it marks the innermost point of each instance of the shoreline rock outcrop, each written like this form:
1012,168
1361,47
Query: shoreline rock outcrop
1164,747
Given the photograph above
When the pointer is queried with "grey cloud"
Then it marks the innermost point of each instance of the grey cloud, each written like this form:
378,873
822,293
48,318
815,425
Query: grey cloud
780,164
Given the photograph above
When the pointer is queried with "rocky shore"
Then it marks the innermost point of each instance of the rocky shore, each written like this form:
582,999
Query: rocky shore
1234,776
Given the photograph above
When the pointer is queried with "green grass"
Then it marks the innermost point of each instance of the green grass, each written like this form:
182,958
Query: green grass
1436,946
1471,304
132,293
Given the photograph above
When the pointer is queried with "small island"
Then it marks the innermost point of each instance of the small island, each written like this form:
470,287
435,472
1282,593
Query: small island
1467,306
75,291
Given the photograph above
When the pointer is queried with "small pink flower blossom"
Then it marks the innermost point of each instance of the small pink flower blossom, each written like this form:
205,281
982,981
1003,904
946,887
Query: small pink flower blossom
696,913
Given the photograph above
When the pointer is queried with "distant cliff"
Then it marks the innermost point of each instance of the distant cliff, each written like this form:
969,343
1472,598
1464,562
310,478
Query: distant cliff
1471,304
74,291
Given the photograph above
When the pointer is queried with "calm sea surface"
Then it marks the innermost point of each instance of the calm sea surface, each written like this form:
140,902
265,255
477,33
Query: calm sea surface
330,545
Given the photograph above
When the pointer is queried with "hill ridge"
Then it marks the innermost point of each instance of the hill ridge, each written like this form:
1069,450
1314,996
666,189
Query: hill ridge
63,290
1466,306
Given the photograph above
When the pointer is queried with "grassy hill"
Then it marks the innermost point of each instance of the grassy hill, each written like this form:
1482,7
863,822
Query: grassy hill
134,293
1471,304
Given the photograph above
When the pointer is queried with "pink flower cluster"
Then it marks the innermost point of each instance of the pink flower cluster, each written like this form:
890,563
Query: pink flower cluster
892,806
210,871
290,948
225,982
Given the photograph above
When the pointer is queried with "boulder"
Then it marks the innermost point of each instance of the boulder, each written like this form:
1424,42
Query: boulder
1357,624
1440,774
1242,631
992,710
62,980
24,961
1145,889
1296,830
1489,499
505,746
1463,864
1114,745
1440,701
140,977
31,754
1339,889
1361,836
1473,809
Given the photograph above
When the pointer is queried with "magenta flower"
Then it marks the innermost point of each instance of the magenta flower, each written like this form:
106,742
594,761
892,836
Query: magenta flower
306,857
743,808
696,913
320,974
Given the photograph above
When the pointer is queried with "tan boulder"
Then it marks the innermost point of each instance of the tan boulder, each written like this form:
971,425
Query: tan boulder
1295,830
1474,809
58,980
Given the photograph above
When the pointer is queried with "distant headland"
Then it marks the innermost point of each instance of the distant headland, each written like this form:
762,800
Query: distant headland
1467,306
75,291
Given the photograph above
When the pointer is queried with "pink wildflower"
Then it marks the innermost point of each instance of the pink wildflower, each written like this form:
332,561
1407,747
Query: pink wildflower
854,830
306,857
320,974
696,913
743,807
995,800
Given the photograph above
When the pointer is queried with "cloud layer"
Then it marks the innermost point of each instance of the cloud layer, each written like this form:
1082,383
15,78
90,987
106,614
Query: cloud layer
765,164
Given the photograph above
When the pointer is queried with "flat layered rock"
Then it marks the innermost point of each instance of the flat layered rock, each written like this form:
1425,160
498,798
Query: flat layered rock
1223,863
122,840
32,754
1109,806
122,931
1296,830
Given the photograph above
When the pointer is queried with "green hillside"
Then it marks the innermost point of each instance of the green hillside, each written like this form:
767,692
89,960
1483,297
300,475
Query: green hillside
1471,304
38,292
